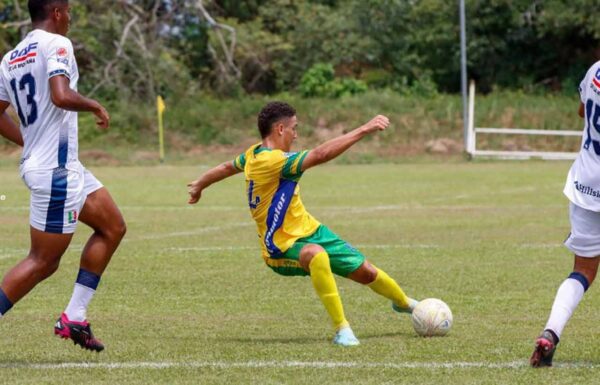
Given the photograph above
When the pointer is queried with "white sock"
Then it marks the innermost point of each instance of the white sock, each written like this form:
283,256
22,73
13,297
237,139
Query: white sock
77,308
567,298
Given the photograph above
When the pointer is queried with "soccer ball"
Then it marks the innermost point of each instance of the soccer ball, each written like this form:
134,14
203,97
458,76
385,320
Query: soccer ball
432,317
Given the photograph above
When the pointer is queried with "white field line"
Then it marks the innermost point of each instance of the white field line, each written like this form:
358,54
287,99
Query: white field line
150,208
405,246
234,248
287,364
197,231
541,245
352,209
213,248
517,190
19,253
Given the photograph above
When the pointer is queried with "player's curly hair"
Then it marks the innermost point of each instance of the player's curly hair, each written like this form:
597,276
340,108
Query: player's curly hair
272,113
39,9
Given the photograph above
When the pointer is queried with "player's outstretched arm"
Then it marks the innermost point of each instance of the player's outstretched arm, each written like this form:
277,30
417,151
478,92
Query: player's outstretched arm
336,146
8,128
215,174
67,99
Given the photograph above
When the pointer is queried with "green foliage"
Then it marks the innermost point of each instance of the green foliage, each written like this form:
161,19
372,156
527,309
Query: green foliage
406,45
320,81
256,52
316,81
317,33
190,39
241,10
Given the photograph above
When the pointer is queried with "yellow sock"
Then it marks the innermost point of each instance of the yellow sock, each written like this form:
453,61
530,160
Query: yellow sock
322,279
384,285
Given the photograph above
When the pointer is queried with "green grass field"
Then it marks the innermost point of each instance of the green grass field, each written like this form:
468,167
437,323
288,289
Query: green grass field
187,298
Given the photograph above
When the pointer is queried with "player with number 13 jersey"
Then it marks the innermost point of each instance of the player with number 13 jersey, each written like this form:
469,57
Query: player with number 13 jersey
39,78
49,132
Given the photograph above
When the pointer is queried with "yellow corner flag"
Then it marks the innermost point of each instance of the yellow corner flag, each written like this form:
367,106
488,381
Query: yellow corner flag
160,107
160,104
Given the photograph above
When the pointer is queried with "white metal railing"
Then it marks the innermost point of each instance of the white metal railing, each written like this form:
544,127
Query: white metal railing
473,131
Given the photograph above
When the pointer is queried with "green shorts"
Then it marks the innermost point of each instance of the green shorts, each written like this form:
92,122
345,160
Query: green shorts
344,259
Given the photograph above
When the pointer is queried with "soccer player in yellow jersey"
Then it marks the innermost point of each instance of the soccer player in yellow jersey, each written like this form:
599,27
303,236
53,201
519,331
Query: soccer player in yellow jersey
293,242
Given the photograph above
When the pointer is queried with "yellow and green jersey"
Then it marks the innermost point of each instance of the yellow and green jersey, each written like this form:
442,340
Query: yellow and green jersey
274,197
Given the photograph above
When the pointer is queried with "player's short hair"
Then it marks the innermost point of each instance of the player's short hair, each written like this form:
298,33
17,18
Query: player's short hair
272,113
40,9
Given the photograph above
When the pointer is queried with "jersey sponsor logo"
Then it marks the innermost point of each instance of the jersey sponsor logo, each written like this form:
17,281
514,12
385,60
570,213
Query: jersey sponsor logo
587,190
18,56
62,52
275,217
596,79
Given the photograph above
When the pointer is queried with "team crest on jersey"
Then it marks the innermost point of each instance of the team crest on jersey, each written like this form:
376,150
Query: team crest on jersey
72,216
596,79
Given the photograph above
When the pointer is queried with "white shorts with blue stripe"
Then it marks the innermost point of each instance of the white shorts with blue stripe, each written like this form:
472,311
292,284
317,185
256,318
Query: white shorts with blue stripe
57,197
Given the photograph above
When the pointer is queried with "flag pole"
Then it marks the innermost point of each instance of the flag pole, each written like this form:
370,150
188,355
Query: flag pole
160,108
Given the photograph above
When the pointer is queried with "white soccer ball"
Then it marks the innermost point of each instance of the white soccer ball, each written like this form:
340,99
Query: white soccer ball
432,317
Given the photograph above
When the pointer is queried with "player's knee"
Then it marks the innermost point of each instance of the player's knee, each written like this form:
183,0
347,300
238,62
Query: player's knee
120,229
369,274
44,267
116,230
365,274
307,254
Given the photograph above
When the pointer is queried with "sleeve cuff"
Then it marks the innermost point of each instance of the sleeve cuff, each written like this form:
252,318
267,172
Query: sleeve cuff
57,73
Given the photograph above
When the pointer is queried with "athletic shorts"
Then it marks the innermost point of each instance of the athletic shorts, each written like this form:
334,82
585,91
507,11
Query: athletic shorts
343,258
57,197
584,239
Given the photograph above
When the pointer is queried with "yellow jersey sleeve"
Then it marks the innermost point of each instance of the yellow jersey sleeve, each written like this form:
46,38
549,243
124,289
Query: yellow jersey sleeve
292,168
240,162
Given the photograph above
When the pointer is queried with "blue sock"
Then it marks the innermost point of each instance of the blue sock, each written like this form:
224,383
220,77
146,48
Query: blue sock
581,278
88,279
5,303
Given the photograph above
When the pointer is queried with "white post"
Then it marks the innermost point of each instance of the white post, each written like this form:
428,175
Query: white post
471,138
463,67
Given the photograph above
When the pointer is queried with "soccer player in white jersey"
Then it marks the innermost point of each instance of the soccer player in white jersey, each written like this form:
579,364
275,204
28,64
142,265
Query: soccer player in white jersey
583,190
39,79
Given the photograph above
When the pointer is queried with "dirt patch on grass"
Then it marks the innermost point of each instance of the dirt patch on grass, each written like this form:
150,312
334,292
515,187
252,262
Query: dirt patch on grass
444,146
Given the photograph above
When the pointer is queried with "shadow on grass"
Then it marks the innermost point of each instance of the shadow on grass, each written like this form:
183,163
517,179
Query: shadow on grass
303,340
300,340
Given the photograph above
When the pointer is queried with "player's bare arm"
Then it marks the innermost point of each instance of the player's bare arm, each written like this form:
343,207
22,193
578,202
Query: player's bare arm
68,99
334,147
8,128
581,110
215,174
